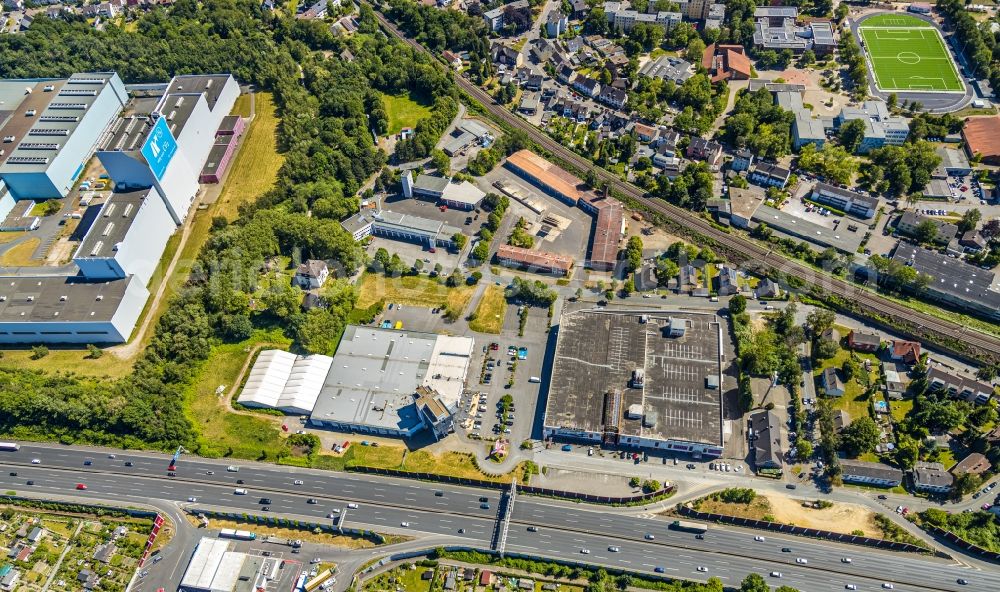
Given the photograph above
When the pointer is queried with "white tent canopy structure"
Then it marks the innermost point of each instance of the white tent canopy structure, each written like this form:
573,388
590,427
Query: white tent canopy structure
284,381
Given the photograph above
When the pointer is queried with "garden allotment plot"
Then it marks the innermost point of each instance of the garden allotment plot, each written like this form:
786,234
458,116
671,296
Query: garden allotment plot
908,54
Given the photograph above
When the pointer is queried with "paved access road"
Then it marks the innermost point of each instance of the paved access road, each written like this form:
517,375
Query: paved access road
563,529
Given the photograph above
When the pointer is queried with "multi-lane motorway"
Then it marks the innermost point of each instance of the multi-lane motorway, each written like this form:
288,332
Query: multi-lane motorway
563,529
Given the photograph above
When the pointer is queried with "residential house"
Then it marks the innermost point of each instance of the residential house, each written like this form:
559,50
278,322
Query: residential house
742,160
580,9
613,96
506,55
557,23
865,342
453,60
769,175
565,74
727,282
767,288
870,473
910,222
972,241
907,352
831,382
705,150
687,279
644,278
588,87
498,17
895,386
644,133
311,274
765,437
975,463
959,387
932,478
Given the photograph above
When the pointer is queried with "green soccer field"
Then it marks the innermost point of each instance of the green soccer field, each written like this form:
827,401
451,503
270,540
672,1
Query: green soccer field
907,54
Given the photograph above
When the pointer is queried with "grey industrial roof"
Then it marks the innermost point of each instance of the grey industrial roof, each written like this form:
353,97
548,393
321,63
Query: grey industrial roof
175,100
431,183
776,12
375,374
58,114
415,223
951,276
458,143
841,239
357,222
217,152
473,127
822,33
112,224
596,352
58,298
952,158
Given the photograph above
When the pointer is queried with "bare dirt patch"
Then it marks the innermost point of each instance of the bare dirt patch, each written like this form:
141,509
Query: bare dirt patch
844,518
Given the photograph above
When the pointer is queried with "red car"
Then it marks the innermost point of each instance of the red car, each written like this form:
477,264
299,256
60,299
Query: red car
81,486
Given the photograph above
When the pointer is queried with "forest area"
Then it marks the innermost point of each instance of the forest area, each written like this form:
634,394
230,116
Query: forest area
325,136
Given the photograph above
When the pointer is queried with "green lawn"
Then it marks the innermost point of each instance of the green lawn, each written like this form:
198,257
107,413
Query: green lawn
908,54
900,409
414,290
853,401
404,111
490,312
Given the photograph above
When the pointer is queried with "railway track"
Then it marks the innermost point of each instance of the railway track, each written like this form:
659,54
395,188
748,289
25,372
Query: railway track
922,325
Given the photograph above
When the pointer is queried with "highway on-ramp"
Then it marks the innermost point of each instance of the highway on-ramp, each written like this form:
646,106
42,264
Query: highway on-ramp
564,530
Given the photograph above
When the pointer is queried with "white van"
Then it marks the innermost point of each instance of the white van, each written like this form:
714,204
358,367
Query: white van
233,469
534,379
239,491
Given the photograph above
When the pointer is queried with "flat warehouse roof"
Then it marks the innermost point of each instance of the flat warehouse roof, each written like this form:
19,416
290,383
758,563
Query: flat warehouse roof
596,354
376,372
59,299
112,224
546,173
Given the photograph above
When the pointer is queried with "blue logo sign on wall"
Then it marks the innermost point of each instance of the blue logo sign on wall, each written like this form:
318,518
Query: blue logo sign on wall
159,148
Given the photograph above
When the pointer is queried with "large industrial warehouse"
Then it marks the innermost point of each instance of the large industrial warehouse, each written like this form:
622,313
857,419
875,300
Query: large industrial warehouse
609,215
393,382
153,141
644,380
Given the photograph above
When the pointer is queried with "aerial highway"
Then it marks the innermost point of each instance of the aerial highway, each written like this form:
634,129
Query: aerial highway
560,530
923,325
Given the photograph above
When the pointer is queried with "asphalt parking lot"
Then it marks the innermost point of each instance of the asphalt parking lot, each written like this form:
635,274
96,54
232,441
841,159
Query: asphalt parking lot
482,400
570,240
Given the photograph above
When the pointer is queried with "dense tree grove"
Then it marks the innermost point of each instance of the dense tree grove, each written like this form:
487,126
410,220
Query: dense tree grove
329,151
757,123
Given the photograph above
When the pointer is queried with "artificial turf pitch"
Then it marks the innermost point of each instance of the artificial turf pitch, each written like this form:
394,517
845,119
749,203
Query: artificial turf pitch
908,56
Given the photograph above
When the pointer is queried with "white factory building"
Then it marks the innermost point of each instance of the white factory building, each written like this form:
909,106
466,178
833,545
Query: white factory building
215,568
164,137
153,141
